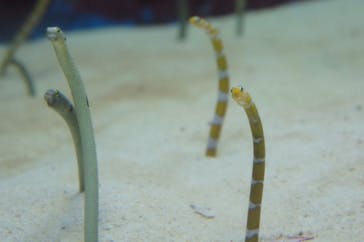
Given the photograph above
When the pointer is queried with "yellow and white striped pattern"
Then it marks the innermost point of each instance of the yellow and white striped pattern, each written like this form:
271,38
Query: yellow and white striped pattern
256,190
222,100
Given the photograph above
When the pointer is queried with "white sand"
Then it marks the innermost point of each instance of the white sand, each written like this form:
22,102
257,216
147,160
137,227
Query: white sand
151,99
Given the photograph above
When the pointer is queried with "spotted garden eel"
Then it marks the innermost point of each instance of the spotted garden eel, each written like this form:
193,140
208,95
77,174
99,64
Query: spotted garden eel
244,99
60,103
221,106
28,26
81,105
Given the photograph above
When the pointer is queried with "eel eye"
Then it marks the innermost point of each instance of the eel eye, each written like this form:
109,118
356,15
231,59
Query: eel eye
241,89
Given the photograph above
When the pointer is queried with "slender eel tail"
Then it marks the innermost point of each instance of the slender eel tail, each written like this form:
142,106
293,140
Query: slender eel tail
239,12
25,74
182,13
256,190
221,106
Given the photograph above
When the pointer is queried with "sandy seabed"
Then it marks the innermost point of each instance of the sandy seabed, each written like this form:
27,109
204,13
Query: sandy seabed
151,99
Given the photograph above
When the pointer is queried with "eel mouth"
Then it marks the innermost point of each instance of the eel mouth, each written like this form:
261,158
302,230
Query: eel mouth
54,33
51,97
235,92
